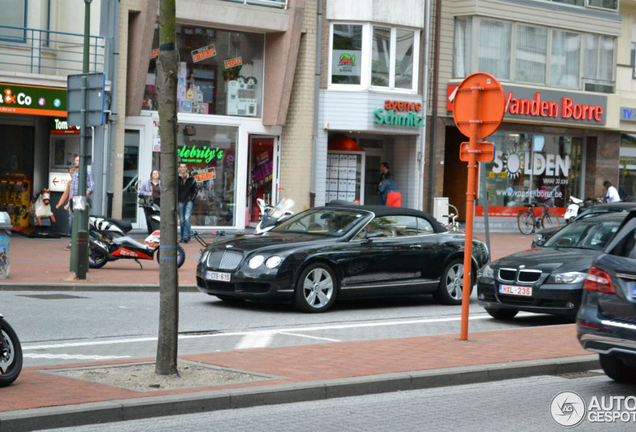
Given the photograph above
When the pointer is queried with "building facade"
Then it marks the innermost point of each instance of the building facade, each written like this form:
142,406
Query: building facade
238,64
41,43
561,132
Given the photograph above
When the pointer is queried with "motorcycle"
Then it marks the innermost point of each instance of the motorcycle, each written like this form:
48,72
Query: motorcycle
574,207
272,216
10,354
108,241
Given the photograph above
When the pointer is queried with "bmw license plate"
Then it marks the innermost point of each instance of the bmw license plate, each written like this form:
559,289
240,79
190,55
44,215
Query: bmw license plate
218,276
515,290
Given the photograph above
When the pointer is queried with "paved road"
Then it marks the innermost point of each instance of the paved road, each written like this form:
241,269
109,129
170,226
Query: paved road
514,405
58,328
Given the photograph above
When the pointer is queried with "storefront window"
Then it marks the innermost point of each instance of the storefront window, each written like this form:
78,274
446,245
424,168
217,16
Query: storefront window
210,154
220,72
346,54
532,168
627,166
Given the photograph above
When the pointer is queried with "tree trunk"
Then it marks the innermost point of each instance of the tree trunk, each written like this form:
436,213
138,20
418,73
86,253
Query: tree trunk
167,345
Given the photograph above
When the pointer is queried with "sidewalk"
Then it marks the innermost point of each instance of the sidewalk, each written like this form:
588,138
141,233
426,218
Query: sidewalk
39,399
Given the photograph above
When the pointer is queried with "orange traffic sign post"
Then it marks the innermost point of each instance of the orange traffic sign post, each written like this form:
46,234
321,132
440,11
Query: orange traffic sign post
478,109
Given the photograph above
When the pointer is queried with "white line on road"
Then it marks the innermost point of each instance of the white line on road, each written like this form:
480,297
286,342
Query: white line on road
310,337
273,331
259,339
73,356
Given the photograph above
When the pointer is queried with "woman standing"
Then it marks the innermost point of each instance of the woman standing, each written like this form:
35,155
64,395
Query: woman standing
151,189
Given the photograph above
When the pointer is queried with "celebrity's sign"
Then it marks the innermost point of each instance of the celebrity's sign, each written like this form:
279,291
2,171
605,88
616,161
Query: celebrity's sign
408,114
199,154
553,105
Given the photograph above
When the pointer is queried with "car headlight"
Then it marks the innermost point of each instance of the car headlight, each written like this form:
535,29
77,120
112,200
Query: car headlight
204,257
273,262
486,272
538,238
256,262
569,277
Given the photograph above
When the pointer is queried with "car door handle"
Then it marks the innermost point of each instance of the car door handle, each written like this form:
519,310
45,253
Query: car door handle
416,246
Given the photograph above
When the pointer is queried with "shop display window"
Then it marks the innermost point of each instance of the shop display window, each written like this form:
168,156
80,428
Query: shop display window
627,166
345,178
532,168
220,72
209,151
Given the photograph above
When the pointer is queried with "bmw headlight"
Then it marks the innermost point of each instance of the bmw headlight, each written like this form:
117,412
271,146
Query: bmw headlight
256,262
273,262
486,272
569,277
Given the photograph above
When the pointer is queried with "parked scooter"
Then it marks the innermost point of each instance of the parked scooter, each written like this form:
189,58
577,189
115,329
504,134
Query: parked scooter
574,207
10,354
108,241
272,216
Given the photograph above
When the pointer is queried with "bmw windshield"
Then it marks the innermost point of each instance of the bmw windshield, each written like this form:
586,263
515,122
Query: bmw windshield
584,234
332,223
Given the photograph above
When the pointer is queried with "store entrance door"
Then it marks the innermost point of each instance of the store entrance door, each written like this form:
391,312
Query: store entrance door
262,181
131,182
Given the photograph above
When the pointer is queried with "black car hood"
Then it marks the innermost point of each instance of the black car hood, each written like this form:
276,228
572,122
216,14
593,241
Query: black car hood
273,241
550,259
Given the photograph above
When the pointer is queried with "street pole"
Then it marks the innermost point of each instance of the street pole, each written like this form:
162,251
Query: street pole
79,248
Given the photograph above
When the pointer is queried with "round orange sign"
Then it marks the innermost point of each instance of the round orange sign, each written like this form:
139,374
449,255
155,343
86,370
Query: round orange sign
490,109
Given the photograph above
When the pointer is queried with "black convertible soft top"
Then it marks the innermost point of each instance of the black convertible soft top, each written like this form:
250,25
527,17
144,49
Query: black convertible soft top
390,211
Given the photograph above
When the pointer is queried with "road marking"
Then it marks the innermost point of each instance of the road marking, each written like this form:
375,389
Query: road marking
73,356
26,347
259,339
310,337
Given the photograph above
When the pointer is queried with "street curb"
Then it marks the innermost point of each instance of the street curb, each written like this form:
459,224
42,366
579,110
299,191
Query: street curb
148,407
83,286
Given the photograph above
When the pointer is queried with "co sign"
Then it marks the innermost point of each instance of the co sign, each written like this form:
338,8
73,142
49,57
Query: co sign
20,99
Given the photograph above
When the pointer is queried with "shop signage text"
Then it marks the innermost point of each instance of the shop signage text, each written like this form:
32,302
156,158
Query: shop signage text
389,115
203,53
154,53
628,114
34,100
59,126
548,164
238,61
198,155
553,105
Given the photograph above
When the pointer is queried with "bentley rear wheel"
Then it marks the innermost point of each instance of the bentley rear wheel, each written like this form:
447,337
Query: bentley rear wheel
316,289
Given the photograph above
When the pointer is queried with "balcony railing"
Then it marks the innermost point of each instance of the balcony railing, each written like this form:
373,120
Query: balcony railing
272,3
47,52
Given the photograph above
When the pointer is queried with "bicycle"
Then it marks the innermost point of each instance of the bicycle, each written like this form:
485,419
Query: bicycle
527,221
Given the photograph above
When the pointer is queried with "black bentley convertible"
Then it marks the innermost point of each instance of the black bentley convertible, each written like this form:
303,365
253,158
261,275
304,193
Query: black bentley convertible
341,251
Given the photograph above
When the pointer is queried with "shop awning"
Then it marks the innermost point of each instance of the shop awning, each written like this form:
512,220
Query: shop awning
343,143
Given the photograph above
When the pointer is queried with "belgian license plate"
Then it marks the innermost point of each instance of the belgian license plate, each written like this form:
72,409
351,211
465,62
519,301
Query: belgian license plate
515,290
218,276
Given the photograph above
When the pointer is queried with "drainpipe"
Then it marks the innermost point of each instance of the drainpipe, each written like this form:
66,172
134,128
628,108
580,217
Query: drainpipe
314,168
113,32
427,47
432,140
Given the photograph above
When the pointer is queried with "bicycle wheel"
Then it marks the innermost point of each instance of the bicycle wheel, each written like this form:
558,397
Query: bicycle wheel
525,222
550,220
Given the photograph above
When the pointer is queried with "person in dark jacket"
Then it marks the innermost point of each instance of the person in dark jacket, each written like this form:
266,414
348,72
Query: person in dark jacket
187,194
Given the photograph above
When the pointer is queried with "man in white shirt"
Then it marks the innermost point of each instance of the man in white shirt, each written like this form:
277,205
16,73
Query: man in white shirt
612,194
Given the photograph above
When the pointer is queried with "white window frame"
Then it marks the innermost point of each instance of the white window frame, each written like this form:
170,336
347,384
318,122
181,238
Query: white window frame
367,54
618,5
476,23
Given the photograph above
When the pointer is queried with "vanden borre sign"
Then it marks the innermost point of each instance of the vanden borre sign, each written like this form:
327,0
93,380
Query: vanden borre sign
552,105
34,100
389,115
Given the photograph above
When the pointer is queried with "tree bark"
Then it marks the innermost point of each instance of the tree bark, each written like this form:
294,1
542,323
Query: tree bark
167,346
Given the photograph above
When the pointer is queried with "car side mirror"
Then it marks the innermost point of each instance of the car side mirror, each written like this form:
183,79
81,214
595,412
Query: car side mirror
373,234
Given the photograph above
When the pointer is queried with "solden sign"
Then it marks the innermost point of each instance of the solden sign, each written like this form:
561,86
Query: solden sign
552,105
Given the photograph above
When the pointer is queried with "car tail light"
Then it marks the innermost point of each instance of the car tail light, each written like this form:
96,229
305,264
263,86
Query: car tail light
598,280
586,324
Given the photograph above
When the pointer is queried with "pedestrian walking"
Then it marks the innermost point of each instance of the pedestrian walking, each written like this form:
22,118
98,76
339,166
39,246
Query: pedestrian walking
384,175
612,195
187,194
151,191
390,194
73,189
